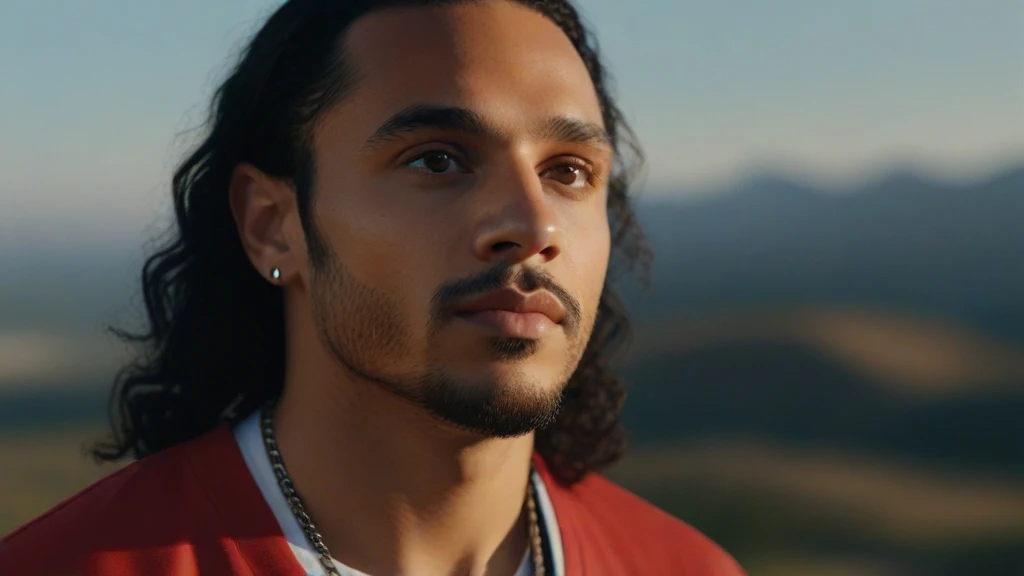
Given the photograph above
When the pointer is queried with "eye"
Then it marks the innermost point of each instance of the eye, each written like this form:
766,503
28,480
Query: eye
575,175
436,162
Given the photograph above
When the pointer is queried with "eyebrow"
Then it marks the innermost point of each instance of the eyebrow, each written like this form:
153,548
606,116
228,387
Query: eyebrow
575,130
455,119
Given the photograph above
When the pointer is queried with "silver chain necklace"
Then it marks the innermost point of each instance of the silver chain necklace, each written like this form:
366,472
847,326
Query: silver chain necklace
284,481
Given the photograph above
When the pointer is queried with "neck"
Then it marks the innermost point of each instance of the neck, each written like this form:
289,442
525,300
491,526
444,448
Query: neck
391,490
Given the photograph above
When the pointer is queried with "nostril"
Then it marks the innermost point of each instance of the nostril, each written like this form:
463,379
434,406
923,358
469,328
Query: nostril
550,252
502,247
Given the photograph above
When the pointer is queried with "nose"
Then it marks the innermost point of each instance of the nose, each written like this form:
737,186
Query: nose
518,222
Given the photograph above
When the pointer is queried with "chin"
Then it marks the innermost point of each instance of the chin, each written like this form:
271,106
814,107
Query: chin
497,400
505,377
497,386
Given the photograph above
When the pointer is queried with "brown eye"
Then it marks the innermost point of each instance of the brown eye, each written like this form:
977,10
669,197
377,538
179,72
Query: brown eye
436,162
569,175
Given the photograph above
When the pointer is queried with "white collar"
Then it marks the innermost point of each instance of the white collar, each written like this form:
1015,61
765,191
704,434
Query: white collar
250,442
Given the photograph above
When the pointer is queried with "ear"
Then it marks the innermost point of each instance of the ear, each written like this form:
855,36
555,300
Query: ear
266,214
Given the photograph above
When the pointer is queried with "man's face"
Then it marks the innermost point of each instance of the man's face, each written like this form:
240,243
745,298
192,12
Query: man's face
460,208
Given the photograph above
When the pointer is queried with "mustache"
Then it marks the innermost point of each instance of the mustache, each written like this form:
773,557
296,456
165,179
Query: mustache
503,275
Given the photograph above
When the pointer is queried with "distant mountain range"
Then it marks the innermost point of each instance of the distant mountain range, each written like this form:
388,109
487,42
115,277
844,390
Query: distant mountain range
903,243
739,335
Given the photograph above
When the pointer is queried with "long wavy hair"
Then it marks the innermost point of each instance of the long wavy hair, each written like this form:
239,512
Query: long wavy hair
213,348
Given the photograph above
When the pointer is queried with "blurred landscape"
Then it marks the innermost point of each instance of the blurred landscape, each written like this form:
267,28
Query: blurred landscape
826,382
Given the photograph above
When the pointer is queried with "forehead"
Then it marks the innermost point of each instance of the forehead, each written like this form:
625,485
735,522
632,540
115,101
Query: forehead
508,63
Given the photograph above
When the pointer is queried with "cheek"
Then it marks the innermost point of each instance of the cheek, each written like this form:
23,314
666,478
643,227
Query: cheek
589,255
382,246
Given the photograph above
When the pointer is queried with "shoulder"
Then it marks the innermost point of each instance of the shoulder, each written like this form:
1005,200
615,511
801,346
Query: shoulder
611,526
148,505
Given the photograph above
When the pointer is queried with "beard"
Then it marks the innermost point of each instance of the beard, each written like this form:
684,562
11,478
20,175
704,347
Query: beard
364,330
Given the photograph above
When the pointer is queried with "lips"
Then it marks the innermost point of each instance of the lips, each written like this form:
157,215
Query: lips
510,313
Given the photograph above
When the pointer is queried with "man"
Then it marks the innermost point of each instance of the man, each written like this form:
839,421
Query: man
378,342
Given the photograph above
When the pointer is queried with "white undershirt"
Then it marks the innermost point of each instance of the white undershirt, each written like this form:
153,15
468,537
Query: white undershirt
250,442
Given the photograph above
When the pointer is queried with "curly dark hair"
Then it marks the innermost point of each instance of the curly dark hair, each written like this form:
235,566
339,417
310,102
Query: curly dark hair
206,358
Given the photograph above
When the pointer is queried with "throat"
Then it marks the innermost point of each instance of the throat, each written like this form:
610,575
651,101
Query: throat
474,514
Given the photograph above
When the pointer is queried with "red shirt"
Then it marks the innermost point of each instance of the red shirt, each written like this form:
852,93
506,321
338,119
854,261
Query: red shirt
195,509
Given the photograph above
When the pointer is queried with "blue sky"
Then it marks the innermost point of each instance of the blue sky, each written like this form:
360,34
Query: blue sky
97,98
